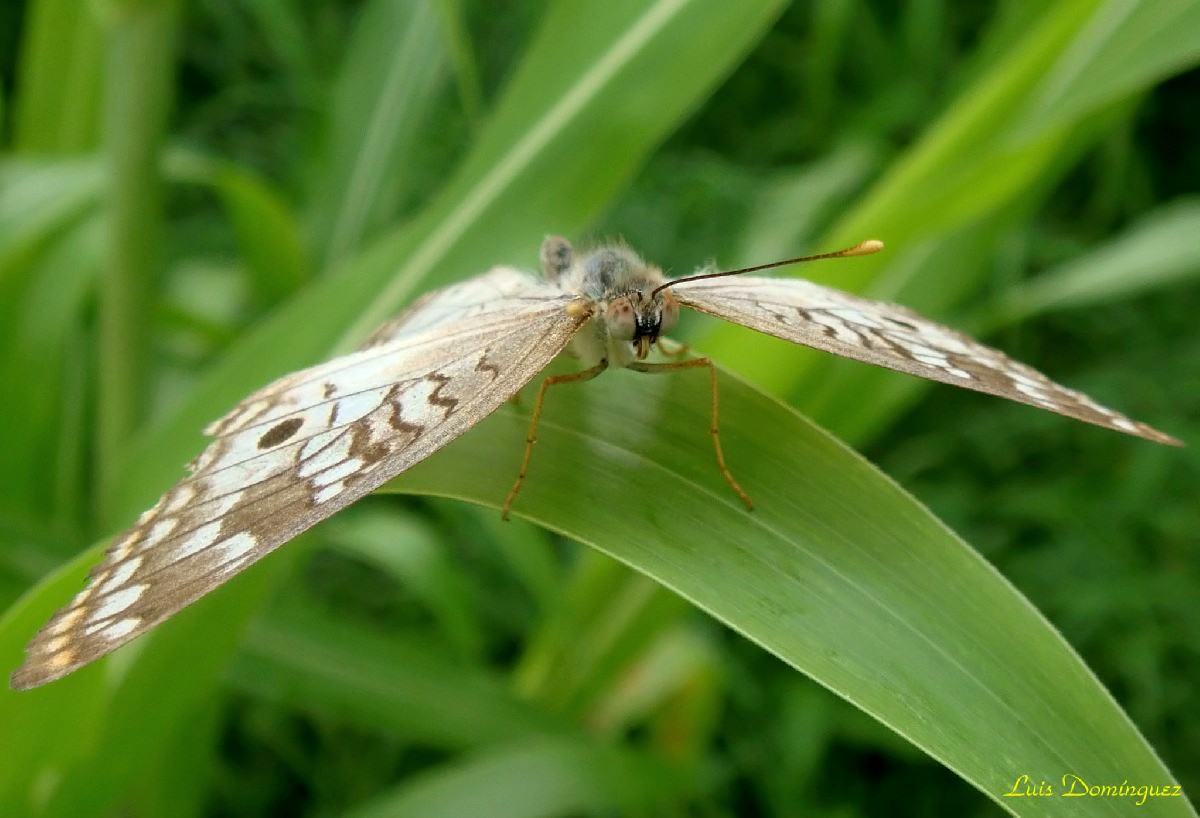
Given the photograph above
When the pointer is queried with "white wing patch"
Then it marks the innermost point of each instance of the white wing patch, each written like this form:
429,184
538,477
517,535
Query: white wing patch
295,452
894,337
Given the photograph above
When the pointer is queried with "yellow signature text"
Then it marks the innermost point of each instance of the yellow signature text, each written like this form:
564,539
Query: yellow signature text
1074,786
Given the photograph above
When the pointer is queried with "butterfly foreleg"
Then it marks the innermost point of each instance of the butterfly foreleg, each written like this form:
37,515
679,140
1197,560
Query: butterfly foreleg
535,416
714,427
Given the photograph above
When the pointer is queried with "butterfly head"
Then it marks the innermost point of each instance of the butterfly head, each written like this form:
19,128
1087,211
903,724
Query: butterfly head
624,288
625,295
639,317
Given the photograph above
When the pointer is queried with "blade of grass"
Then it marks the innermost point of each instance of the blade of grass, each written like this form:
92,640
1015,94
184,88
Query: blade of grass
42,735
550,777
381,105
269,238
461,53
39,356
1124,48
38,199
607,618
138,94
58,100
1158,251
398,682
410,550
837,572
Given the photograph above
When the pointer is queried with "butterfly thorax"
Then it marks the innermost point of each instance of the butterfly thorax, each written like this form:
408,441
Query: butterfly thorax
619,288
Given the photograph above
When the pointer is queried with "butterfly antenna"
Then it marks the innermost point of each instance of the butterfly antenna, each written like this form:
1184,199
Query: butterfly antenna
863,248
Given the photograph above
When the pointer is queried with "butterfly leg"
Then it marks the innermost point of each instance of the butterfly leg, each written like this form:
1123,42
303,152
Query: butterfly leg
714,426
531,435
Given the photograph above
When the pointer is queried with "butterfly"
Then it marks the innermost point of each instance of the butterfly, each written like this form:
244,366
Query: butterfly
300,449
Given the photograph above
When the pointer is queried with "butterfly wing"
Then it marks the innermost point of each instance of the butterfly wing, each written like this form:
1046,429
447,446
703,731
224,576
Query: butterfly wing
312,442
500,290
894,337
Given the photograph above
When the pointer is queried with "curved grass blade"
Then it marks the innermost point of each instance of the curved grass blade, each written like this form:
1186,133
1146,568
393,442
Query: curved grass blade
838,572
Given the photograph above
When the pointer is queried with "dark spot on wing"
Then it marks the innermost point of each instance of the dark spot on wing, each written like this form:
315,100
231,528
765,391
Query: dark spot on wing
280,432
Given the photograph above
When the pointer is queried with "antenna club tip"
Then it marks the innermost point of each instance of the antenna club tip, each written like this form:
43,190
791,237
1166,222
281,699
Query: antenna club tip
865,248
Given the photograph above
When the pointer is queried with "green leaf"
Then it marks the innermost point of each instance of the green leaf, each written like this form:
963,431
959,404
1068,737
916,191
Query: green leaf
1159,250
395,682
42,354
549,777
268,236
1124,48
837,572
58,102
60,739
57,726
411,550
381,103
37,200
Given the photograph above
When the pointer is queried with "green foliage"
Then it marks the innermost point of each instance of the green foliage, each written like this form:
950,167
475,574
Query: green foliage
322,164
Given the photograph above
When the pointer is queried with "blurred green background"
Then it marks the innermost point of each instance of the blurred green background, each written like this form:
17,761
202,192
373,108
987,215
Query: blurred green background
198,196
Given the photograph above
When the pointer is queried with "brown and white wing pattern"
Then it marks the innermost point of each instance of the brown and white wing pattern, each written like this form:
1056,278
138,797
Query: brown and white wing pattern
894,337
295,452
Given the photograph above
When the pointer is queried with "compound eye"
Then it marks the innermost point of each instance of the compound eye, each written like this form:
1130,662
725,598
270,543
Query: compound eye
620,319
670,312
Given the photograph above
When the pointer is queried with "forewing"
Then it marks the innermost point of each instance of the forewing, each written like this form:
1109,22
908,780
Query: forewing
894,337
294,453
500,290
